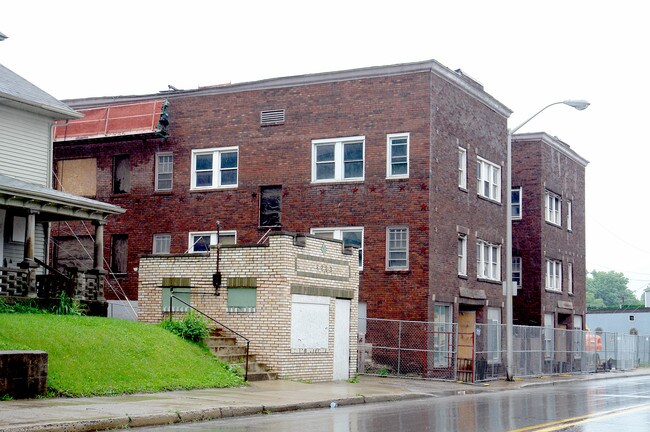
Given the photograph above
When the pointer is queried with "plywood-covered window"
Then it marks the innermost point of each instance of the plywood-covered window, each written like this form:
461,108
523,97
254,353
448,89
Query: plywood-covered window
77,176
119,253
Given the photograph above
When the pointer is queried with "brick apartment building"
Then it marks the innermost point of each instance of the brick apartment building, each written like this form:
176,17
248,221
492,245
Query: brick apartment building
403,161
548,181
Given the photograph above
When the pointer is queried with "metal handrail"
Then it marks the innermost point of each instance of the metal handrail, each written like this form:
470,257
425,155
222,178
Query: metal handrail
248,342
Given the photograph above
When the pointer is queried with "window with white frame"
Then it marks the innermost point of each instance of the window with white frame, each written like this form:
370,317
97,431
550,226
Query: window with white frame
516,270
462,254
442,335
462,168
398,155
488,260
494,336
338,159
570,278
515,203
162,243
397,248
215,168
553,208
201,241
553,275
569,210
351,236
489,180
164,171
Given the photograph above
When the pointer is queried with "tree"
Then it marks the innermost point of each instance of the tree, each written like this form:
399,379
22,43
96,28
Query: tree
609,289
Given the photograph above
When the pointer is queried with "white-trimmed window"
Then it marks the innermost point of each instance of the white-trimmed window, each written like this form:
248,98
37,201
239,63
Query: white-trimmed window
462,168
338,159
494,335
569,210
488,180
570,278
398,155
397,243
215,168
515,202
488,260
161,243
351,236
553,208
200,241
516,270
462,254
553,275
164,171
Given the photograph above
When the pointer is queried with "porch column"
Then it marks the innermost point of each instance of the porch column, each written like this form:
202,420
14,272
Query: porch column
28,262
93,283
98,258
30,238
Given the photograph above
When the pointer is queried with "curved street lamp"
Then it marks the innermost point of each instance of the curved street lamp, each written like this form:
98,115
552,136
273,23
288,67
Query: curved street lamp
579,105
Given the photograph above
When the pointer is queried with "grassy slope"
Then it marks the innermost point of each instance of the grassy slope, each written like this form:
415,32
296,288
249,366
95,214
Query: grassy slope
100,356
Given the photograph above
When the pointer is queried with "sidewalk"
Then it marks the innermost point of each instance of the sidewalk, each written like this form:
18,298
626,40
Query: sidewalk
101,413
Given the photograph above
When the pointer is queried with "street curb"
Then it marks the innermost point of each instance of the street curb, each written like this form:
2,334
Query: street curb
592,377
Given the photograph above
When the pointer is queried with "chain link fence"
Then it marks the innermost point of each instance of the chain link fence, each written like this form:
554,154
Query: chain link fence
414,349
430,350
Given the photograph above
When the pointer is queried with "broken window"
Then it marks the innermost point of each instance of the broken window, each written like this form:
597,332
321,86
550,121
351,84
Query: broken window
121,174
270,206
73,252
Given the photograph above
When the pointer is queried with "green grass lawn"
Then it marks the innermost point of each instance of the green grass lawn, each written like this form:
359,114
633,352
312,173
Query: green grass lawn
101,356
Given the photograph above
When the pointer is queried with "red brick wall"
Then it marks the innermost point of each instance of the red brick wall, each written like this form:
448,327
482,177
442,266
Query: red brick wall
538,167
434,112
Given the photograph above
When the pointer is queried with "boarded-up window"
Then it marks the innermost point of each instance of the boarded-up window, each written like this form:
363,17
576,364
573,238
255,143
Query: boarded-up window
77,176
310,324
119,253
121,174
71,252
241,300
270,206
177,305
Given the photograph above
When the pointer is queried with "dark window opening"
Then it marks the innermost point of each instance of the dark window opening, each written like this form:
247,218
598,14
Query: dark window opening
270,206
121,174
119,253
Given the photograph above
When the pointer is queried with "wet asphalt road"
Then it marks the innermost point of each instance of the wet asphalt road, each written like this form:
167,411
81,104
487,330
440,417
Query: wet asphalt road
614,405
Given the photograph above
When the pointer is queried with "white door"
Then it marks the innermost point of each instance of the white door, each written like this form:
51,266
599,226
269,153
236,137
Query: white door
341,340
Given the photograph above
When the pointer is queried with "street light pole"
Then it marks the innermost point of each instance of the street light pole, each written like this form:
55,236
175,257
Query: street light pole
579,105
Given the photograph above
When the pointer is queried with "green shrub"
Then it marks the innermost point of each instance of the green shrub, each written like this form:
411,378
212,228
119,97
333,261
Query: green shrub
68,306
192,327
20,306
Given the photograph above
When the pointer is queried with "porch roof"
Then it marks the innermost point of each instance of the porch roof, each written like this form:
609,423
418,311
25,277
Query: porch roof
50,203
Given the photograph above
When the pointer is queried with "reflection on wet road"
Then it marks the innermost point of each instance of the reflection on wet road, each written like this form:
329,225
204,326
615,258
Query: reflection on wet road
619,405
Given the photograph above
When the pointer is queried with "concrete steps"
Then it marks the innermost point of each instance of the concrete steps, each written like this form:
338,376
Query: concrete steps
225,347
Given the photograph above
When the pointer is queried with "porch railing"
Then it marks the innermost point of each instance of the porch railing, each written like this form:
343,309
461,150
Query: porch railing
13,282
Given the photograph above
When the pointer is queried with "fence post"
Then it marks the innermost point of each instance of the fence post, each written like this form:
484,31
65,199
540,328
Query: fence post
399,347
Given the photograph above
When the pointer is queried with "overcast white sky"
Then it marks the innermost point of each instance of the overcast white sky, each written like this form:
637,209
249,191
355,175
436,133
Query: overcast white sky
527,54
